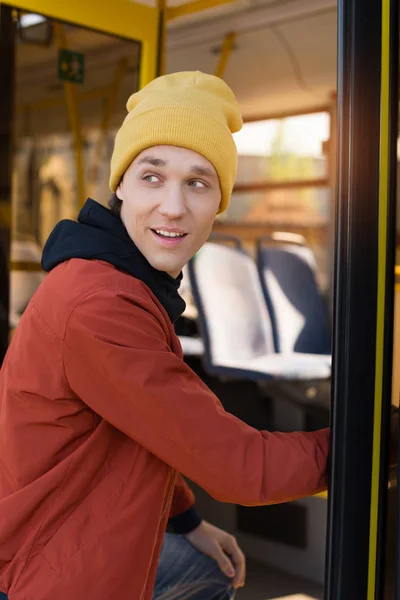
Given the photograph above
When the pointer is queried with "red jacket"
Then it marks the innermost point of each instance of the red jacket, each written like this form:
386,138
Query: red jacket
98,412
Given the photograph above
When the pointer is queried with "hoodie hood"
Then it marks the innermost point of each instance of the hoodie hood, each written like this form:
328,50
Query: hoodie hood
100,234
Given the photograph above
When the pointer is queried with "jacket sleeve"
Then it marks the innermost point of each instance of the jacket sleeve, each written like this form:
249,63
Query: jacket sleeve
116,345
183,515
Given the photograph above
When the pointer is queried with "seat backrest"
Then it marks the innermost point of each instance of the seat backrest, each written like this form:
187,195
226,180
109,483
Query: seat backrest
224,238
233,315
299,314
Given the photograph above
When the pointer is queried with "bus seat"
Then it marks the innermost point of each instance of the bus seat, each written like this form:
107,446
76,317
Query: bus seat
193,345
235,322
299,314
226,239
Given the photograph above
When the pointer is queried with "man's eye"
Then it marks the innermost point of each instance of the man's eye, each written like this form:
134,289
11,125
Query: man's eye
151,178
197,183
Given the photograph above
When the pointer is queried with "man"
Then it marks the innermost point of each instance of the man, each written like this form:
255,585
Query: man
99,414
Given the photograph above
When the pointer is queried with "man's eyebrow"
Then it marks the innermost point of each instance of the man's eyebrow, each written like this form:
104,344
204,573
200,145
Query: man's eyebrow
202,171
152,160
194,169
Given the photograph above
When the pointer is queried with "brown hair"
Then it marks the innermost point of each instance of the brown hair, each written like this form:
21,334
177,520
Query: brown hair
114,204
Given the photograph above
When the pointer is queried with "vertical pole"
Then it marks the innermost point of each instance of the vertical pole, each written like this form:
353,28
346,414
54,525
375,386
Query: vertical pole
7,77
74,121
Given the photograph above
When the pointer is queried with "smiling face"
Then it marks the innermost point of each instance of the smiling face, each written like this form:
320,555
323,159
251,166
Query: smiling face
170,197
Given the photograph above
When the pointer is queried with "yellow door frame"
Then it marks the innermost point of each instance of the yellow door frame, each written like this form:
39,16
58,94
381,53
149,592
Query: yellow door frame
122,18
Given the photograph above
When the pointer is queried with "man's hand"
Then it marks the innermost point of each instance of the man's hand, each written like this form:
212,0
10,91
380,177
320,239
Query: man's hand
223,548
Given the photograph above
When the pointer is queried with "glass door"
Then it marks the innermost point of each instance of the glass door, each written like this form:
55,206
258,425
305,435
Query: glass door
67,73
364,295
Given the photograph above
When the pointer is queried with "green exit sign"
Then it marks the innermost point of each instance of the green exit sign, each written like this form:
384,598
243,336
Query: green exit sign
71,66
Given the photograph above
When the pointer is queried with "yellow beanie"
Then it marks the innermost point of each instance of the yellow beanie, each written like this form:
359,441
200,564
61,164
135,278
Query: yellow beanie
188,109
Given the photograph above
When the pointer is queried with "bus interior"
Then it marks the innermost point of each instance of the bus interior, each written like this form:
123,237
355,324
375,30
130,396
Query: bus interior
258,326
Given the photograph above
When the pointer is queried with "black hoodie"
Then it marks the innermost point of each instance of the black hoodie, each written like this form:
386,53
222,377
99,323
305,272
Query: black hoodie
100,234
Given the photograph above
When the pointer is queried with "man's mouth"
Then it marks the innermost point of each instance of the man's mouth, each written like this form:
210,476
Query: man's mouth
168,234
169,238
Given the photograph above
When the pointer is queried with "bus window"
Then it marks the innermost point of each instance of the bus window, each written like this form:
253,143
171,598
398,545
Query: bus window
71,87
283,184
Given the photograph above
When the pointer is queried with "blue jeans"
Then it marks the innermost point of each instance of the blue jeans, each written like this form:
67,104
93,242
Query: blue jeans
186,574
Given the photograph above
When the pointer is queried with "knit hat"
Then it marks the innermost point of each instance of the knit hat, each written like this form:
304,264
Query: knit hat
188,109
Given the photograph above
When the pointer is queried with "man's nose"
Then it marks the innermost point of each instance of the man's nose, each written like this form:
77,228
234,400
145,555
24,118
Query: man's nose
173,204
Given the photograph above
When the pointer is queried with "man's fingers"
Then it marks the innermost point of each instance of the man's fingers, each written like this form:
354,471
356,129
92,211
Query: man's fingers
239,562
224,562
231,548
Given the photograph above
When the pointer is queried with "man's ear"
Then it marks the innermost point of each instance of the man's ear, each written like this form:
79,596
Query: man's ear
119,191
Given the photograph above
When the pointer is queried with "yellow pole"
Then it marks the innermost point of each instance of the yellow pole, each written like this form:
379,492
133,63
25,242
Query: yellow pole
380,325
162,47
74,120
109,109
226,51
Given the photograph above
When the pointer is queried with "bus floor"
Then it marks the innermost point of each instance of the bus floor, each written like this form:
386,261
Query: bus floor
268,583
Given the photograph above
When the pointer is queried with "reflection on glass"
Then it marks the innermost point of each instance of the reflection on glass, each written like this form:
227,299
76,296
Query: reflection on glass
45,183
34,29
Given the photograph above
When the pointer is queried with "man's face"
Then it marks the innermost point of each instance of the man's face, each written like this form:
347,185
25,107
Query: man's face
170,197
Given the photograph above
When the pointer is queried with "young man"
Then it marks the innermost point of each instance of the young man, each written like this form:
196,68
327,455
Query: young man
99,414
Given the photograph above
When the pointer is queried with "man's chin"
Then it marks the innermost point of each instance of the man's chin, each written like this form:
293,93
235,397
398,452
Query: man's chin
166,267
